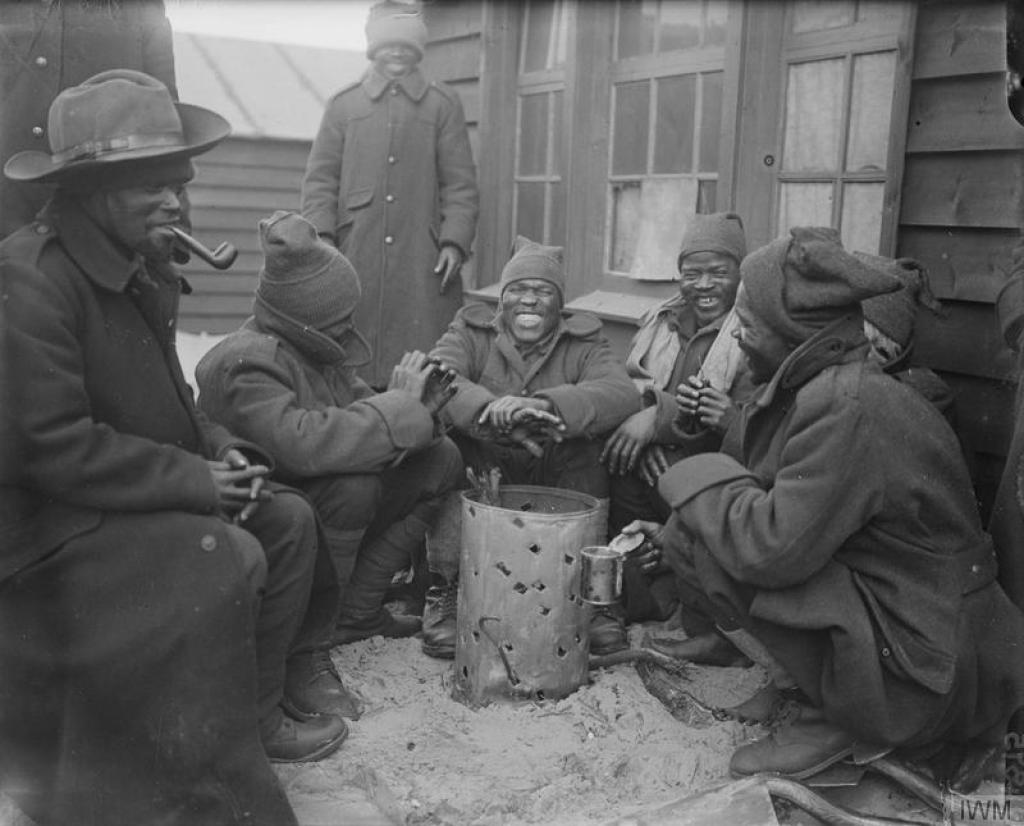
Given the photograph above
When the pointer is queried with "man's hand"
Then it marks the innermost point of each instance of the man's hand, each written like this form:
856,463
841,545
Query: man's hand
653,463
652,531
624,447
702,402
449,262
439,387
239,485
505,412
420,377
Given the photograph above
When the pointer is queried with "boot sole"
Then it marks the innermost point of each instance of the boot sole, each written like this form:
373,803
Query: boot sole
439,652
319,753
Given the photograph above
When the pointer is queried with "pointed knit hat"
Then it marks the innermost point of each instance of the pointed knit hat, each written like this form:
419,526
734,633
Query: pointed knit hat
303,277
532,260
802,282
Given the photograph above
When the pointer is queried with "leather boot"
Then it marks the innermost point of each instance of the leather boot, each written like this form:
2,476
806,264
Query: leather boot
362,614
608,630
439,619
313,686
294,741
797,750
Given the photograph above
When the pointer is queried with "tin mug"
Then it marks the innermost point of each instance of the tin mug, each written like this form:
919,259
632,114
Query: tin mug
600,575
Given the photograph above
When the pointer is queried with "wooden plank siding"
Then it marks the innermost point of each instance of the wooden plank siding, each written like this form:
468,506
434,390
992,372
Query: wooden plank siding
236,184
963,184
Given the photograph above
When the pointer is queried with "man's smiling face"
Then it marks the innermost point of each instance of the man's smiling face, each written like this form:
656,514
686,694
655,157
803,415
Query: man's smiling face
708,281
531,309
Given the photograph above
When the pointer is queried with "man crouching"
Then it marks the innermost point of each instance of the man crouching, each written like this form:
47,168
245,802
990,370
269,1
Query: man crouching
151,588
836,537
374,464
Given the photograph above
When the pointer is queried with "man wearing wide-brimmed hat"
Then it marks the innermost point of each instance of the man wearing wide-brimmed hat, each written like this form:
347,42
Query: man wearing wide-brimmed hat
836,538
151,584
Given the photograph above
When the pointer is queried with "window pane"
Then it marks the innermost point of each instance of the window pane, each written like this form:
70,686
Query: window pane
556,224
625,225
861,227
871,106
632,107
673,135
814,100
680,25
707,197
710,121
815,15
556,133
664,205
540,17
714,32
804,205
533,134
530,210
637,19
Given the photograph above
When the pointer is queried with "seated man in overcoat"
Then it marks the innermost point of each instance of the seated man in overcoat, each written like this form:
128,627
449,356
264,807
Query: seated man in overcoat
151,587
836,537
375,465
536,393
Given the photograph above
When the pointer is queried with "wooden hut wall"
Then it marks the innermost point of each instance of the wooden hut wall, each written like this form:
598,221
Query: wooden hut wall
960,212
237,184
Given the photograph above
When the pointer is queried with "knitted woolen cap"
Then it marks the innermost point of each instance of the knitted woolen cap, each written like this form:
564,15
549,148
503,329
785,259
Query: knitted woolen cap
720,232
395,22
894,313
532,260
303,277
801,283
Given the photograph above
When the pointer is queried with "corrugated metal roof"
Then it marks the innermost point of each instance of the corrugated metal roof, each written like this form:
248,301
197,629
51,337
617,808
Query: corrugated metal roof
274,90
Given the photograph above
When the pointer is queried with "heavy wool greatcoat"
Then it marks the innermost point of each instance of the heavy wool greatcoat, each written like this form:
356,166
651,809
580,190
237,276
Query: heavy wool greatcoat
127,694
841,521
48,47
578,372
391,178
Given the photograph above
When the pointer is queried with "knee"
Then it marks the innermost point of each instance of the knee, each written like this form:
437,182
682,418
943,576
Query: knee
445,460
250,556
348,502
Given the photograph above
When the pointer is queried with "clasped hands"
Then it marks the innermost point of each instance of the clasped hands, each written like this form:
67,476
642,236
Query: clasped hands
239,485
429,381
521,420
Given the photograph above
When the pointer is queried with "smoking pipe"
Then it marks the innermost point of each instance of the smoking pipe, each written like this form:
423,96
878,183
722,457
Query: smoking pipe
221,258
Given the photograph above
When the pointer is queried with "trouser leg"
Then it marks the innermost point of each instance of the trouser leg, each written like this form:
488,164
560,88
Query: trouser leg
286,529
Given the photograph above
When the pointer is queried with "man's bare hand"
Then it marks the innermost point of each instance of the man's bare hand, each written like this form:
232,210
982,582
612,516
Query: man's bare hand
624,447
449,262
505,411
653,463
239,485
652,531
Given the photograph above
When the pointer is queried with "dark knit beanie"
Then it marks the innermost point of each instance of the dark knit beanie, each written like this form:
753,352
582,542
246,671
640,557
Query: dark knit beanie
720,232
801,283
395,22
894,313
303,277
532,260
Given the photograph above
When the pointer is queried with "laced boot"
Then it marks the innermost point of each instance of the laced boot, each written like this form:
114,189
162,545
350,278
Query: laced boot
295,741
439,619
362,613
313,686
608,630
797,750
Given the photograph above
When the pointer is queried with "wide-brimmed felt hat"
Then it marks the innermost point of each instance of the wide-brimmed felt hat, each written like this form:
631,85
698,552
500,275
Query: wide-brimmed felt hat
115,117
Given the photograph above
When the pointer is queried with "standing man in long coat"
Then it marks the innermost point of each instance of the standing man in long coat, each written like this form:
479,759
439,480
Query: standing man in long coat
48,47
391,182
836,537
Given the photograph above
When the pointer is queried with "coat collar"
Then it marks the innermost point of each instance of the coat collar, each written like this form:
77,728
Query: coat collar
841,341
413,84
106,264
310,342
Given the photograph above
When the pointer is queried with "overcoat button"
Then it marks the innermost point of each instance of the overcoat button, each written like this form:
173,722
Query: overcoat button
886,652
42,229
208,542
389,198
388,239
41,61
37,131
975,569
391,158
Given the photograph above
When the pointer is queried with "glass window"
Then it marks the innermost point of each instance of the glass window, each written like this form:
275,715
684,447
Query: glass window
870,111
544,35
814,111
648,27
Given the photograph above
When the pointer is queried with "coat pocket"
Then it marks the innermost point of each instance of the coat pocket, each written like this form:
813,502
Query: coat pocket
351,201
